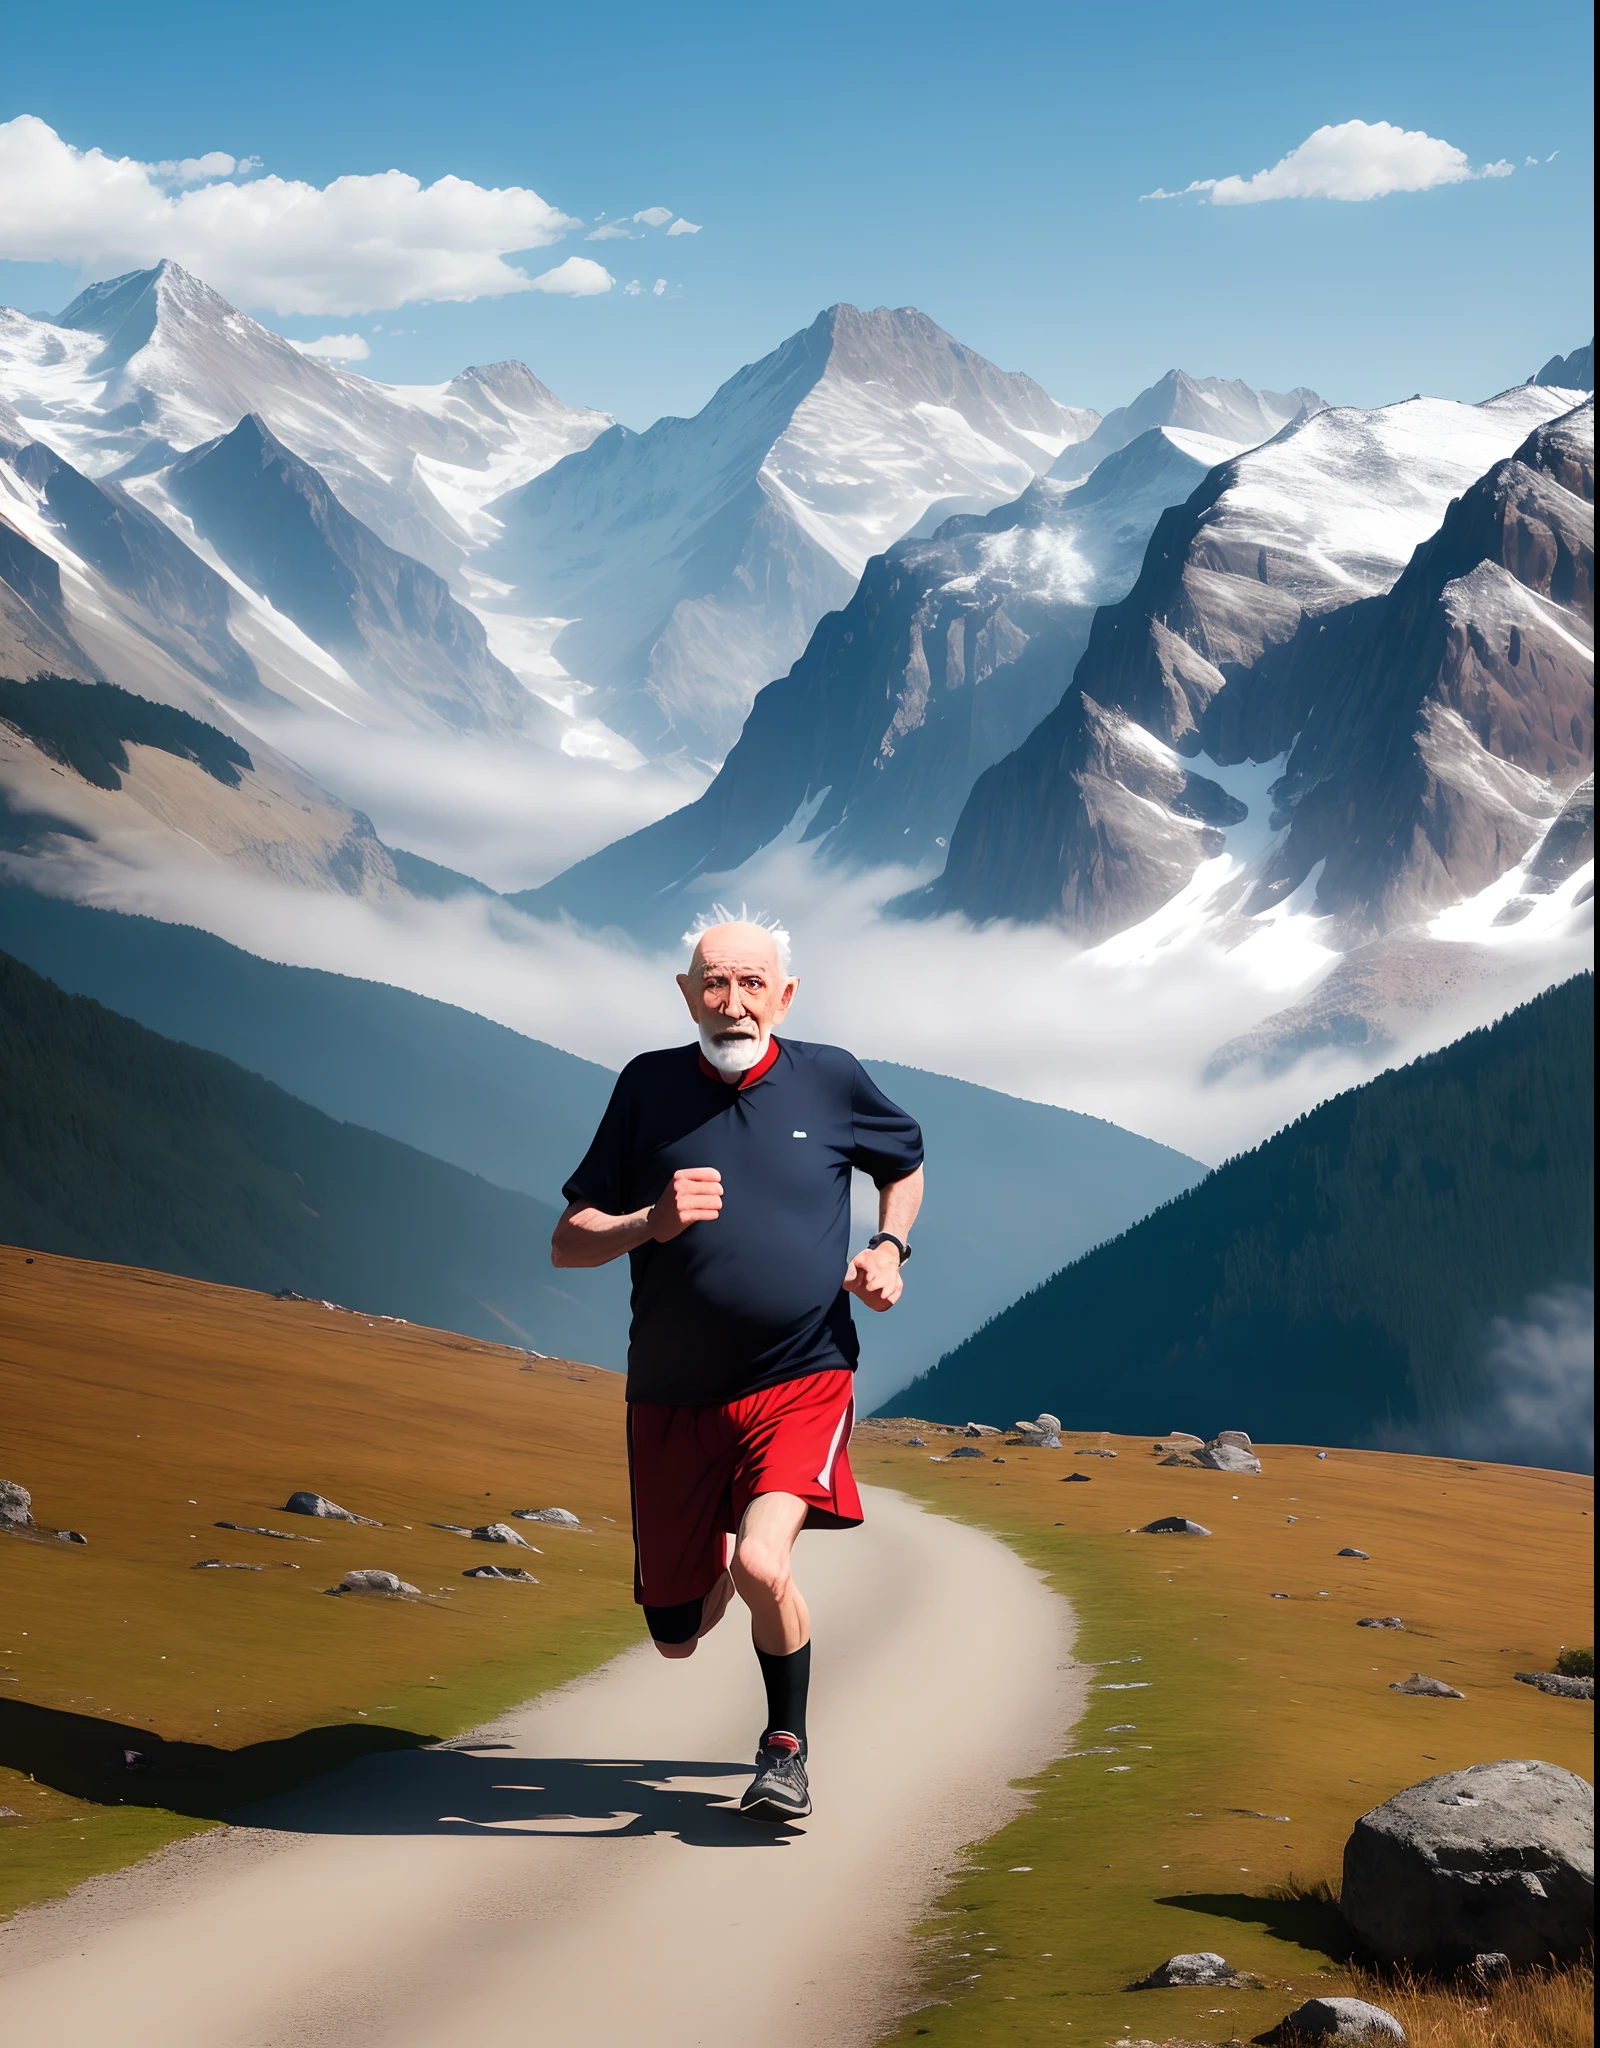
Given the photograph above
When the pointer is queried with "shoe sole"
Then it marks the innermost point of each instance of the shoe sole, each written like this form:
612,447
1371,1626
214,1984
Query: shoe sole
769,1809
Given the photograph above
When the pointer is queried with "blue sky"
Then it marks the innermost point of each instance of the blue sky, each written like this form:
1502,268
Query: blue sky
985,164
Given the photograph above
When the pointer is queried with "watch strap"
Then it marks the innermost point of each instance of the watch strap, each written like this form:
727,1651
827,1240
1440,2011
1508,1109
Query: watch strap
888,1237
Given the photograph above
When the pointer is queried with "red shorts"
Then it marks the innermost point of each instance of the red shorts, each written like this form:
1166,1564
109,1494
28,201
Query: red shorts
694,1471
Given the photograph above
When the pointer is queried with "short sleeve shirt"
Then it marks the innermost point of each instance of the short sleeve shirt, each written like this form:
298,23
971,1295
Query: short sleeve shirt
756,1297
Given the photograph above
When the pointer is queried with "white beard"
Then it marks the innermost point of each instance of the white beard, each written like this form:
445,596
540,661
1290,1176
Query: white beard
734,1055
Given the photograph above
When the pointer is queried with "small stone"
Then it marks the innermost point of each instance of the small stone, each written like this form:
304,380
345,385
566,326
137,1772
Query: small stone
217,1564
966,1451
1280,1596
1322,1454
1426,1688
1489,1967
1204,1967
500,1571
1558,1684
1349,1552
1076,1479
70,1536
1380,1621
377,1582
982,1429
279,1535
915,1443
564,1517
500,1532
1094,1453
1173,1525
327,1510
16,1505
1336,2019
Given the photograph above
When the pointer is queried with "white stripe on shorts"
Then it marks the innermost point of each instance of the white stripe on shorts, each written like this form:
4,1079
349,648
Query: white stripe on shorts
825,1476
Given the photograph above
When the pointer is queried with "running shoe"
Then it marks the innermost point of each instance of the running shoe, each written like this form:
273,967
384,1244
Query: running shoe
778,1790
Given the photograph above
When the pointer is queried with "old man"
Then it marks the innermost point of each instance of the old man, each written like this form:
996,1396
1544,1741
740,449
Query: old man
723,1170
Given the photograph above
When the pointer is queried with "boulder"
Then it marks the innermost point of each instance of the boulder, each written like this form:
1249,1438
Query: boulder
1189,1458
1043,1435
1336,2019
1174,1525
1558,1683
982,1429
16,1505
500,1532
563,1517
966,1451
389,1583
1498,1858
1234,1438
327,1510
500,1571
1221,1457
1179,1440
1094,1451
1380,1621
1201,1968
1426,1688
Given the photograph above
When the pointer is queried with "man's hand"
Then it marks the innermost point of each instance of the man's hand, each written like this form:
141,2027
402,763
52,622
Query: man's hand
693,1195
875,1277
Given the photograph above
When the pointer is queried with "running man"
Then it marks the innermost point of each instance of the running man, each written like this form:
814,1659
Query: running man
723,1170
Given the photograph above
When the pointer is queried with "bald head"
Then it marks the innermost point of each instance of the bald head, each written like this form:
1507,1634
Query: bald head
738,989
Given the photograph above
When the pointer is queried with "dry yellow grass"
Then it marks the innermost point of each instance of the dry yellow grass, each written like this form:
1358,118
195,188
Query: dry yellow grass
1245,1708
1552,2009
143,1409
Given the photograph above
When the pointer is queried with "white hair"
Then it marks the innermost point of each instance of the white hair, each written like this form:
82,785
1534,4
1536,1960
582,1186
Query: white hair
720,914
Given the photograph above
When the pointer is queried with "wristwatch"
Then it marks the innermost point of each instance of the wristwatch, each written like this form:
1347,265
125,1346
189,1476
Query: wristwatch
887,1237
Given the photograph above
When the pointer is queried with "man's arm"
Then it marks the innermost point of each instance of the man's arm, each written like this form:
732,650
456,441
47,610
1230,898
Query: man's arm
585,1236
875,1276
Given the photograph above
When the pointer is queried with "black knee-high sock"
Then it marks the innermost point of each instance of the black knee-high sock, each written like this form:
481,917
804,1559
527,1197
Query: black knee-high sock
788,1679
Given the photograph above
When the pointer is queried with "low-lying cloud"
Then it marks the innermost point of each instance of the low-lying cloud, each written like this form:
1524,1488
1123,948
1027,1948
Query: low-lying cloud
1540,1367
361,244
1352,160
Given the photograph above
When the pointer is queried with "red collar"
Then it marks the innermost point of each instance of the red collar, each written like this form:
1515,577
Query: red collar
762,1067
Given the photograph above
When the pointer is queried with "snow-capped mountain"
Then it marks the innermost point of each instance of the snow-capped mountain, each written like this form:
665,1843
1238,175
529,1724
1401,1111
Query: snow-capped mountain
1107,810
1574,372
949,652
693,561
1215,406
143,367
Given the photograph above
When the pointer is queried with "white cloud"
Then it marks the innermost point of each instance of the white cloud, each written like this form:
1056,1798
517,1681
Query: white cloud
1354,160
654,216
361,244
633,288
611,231
196,170
580,277
684,227
335,348
659,286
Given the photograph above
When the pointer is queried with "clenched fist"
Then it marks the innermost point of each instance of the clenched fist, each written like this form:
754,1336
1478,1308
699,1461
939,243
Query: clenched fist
693,1195
874,1278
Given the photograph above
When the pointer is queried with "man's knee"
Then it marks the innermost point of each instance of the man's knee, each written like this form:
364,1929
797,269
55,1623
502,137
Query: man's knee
762,1567
679,1649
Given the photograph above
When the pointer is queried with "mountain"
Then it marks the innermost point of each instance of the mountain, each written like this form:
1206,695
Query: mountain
1223,409
1341,1283
1573,373
408,648
119,1145
694,560
150,364
1013,1186
1099,818
950,651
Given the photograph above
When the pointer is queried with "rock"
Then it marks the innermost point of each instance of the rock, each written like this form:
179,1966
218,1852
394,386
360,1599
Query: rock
500,1532
1234,1438
1336,2019
1322,1454
1349,1552
1050,1424
915,1443
1380,1621
328,1510
1189,1458
564,1516
70,1536
966,1451
1221,1457
16,1505
1498,1858
1201,1968
1558,1683
1094,1453
1080,1478
1173,1525
217,1564
377,1582
279,1535
500,1571
1179,1440
1492,1965
982,1429
1426,1688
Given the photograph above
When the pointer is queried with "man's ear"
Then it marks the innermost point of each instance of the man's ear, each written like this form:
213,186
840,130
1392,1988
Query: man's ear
684,987
789,988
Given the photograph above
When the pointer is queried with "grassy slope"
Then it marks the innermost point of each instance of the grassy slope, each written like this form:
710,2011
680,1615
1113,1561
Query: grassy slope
141,1409
1246,1702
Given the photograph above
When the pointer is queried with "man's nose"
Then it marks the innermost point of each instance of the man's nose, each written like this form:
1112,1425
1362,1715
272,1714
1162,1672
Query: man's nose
734,1006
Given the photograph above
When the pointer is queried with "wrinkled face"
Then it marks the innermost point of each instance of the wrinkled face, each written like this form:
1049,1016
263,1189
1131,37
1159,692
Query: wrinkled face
736,993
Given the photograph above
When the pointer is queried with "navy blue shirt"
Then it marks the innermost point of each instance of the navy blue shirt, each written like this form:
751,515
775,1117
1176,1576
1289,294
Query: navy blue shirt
756,1297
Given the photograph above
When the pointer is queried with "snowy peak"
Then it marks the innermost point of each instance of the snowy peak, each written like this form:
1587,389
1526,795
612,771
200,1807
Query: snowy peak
1215,406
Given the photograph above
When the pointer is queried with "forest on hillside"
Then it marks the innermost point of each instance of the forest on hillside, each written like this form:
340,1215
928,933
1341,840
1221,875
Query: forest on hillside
1339,1283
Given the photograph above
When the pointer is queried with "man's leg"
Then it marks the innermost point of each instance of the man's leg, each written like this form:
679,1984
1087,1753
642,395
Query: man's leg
779,1622
713,1608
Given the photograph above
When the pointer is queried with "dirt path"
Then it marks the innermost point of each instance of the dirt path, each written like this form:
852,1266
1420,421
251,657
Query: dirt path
575,1876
